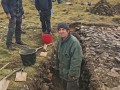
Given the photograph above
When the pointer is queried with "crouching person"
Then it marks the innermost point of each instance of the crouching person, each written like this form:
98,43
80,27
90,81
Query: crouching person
68,58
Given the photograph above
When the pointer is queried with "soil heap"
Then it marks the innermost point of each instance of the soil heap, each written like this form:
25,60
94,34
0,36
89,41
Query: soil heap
103,8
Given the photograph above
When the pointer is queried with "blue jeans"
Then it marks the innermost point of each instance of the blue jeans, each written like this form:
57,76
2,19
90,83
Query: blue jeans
70,85
14,27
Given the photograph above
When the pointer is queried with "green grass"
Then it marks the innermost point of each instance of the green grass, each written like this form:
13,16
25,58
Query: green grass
78,11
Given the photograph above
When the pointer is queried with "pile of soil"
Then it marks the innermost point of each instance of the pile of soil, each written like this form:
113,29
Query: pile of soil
103,8
117,8
43,78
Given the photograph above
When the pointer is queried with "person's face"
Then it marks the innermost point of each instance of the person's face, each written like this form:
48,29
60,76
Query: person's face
63,33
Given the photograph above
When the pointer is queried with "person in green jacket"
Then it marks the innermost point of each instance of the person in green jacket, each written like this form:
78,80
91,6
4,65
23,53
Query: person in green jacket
68,58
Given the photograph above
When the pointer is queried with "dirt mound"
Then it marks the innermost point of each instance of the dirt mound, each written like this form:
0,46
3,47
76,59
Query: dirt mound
43,79
117,8
103,8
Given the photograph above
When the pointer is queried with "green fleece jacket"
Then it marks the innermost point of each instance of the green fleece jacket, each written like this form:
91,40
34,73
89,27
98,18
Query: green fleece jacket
69,58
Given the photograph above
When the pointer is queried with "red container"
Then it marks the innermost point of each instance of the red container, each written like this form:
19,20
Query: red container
47,38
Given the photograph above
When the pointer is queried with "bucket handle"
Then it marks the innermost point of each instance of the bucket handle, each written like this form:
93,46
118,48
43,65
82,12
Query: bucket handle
38,49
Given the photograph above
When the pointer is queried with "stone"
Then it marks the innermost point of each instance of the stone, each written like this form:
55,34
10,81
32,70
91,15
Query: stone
43,54
117,59
113,74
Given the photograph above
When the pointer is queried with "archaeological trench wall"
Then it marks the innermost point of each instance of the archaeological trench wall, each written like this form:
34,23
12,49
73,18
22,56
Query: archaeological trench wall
101,63
101,47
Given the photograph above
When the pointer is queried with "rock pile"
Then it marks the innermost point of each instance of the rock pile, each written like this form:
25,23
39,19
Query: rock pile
101,46
103,8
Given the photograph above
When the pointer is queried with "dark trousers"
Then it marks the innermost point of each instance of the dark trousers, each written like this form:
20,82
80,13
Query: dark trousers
70,85
45,17
14,27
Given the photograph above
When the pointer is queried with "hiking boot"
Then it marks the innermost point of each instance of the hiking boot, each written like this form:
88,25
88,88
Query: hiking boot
21,43
44,32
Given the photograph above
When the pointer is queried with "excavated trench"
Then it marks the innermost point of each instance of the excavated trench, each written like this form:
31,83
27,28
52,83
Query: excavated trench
100,67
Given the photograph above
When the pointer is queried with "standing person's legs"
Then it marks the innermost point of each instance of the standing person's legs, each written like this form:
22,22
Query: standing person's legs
42,19
11,30
48,23
18,29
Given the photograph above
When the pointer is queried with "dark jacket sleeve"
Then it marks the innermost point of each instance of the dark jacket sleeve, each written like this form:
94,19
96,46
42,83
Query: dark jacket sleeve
5,6
37,5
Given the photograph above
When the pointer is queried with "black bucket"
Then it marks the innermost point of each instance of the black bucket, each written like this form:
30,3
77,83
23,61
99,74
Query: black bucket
28,56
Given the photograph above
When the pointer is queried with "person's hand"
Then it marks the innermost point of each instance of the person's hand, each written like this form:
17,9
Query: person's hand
23,16
8,16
